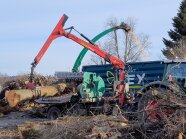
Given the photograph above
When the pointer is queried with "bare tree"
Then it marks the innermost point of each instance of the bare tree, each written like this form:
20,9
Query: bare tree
106,47
124,45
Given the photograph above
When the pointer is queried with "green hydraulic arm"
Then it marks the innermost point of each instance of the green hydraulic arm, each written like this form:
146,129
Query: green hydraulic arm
95,39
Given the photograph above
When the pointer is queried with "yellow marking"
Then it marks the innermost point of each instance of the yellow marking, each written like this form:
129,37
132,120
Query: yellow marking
135,87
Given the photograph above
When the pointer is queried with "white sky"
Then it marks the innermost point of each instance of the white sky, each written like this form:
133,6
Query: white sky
26,24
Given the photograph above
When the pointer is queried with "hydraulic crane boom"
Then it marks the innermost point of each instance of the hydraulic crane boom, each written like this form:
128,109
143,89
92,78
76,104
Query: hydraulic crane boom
60,31
55,34
95,39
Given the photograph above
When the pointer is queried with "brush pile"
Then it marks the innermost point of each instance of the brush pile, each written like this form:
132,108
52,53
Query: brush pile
170,122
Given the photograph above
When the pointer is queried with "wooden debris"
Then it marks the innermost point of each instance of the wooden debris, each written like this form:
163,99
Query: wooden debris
180,135
15,97
73,127
9,134
32,129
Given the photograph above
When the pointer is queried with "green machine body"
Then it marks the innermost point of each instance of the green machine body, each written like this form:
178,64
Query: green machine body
92,88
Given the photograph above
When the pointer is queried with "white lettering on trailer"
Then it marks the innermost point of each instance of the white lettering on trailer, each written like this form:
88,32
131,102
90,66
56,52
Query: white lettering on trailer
130,78
140,78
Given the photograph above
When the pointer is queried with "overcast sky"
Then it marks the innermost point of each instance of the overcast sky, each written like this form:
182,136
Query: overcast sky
26,24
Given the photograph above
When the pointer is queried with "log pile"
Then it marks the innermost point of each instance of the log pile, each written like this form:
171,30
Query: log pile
15,98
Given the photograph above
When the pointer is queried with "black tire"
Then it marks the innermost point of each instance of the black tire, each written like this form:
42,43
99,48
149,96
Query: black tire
53,113
2,94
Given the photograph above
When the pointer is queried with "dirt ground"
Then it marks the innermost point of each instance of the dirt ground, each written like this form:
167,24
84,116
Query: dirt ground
9,123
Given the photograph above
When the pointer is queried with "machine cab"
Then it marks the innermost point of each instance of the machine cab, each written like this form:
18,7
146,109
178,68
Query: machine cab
176,71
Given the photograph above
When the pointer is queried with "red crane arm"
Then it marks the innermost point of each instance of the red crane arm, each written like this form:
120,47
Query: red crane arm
55,34
60,31
117,63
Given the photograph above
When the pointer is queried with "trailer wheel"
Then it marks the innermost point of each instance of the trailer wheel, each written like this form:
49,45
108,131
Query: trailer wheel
53,113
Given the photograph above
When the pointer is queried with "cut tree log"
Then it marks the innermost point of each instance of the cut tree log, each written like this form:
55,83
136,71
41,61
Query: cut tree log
15,97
